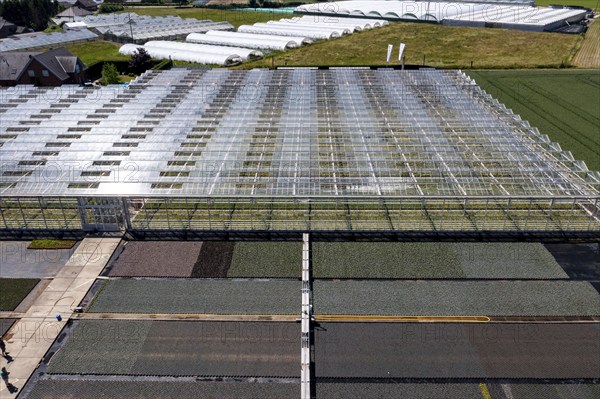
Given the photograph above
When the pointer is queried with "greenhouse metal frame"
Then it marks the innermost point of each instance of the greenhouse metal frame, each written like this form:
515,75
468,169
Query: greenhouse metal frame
38,40
343,152
121,27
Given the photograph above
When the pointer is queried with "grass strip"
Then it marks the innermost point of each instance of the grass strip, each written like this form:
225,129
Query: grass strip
52,244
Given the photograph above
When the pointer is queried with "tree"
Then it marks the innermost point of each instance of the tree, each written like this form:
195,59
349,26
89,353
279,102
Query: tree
110,74
107,8
34,14
140,61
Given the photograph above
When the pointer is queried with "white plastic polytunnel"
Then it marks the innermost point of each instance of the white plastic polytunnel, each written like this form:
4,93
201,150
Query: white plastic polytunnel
268,29
300,40
245,53
360,23
297,25
325,22
334,31
400,9
182,55
248,40
375,23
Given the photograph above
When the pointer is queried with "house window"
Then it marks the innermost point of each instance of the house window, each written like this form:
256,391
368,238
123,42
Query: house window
31,73
77,69
45,73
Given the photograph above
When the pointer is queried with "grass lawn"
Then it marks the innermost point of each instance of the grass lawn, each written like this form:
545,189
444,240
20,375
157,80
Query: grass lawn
236,18
442,46
51,244
53,28
593,4
588,55
92,52
563,104
13,291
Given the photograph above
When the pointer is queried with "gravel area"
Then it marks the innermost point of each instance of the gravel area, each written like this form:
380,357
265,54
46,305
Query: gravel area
157,259
214,259
100,347
552,391
578,260
16,261
267,259
428,260
199,296
413,350
457,298
78,389
350,390
220,349
5,325
180,348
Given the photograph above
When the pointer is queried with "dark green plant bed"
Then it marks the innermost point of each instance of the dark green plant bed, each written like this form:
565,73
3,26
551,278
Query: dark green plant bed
13,291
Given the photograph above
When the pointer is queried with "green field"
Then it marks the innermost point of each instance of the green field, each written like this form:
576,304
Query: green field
13,291
584,3
427,44
588,55
236,18
564,104
92,52
436,46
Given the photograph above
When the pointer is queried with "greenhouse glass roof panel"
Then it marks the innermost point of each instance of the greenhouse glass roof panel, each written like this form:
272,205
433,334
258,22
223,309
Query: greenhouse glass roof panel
286,133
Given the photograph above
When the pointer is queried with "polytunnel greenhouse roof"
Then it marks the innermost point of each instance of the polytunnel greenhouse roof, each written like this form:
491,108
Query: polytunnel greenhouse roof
342,132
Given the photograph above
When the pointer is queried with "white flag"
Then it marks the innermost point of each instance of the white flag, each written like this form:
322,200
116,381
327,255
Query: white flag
390,49
402,45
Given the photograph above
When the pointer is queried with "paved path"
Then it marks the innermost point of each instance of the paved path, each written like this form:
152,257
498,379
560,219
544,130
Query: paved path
186,317
335,318
29,338
19,262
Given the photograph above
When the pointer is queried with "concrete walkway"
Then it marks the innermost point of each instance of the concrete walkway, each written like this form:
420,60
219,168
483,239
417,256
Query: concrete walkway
30,338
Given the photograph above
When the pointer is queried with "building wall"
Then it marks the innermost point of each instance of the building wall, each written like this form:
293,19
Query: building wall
39,79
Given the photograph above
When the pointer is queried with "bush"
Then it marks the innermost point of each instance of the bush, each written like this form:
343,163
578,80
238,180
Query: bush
140,61
110,74
107,8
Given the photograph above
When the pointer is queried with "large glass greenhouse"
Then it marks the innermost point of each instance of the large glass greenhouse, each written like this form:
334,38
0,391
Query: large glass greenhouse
344,151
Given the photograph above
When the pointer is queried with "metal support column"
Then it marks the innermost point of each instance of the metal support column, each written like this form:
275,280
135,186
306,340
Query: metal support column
306,315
